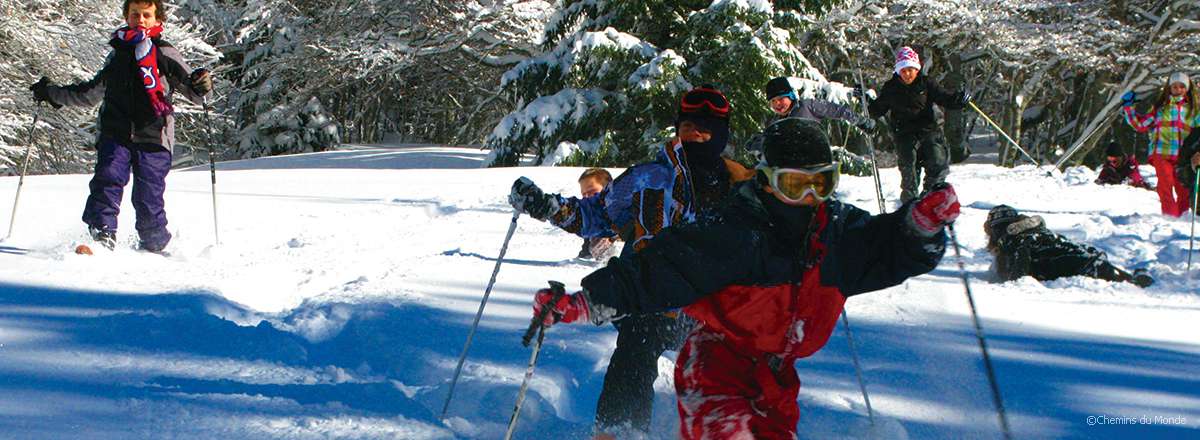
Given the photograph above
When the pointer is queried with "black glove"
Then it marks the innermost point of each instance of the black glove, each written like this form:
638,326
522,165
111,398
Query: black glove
201,81
865,124
528,198
966,97
41,92
864,96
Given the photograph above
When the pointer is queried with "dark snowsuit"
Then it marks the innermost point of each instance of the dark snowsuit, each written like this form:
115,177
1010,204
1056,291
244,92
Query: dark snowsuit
638,204
767,283
1183,168
131,137
919,141
1126,173
1023,246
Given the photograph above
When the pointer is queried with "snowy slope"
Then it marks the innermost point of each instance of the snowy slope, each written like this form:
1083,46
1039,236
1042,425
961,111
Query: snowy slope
345,284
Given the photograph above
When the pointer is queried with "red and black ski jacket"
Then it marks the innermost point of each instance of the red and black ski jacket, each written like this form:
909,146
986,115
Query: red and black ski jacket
737,275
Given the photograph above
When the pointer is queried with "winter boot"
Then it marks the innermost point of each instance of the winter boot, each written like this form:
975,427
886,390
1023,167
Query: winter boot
1142,278
105,237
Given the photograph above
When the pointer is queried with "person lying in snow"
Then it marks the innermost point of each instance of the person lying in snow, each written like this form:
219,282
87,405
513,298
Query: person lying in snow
1120,169
1022,245
766,280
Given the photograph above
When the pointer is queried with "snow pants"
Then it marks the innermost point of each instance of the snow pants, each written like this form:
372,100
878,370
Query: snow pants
726,393
915,152
149,164
627,397
1173,194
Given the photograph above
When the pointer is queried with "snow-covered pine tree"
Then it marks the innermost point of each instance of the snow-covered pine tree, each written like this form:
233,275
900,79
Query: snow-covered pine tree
605,90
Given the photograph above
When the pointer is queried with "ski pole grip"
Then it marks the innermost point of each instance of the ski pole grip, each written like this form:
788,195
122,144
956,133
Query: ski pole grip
559,290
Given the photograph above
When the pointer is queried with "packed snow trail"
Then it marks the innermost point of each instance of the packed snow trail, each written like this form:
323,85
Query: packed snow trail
346,282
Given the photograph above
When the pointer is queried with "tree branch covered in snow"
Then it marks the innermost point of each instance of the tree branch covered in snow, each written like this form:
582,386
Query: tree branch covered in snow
613,71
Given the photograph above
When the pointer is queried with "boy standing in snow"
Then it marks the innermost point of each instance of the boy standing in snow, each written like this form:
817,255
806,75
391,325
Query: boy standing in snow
687,181
1022,245
1174,115
766,279
909,96
137,129
592,182
1120,168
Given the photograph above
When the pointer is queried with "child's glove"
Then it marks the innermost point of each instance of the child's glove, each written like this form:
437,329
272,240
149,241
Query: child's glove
41,92
201,81
570,308
966,97
857,92
528,198
1128,98
934,210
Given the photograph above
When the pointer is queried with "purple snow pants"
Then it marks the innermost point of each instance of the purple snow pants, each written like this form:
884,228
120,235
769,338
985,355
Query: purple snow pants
150,164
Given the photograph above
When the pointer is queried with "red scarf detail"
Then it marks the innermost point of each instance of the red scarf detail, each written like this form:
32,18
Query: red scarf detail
146,55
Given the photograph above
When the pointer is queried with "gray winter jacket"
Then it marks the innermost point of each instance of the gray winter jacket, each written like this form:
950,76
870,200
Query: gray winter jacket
125,114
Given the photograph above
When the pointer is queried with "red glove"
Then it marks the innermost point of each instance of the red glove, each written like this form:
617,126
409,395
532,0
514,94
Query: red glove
937,208
570,307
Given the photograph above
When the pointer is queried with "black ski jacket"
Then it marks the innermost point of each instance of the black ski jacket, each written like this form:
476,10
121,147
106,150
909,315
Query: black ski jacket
125,113
1027,247
851,250
911,105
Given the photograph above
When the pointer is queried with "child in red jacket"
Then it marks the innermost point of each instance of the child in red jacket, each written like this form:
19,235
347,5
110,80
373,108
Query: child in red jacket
766,280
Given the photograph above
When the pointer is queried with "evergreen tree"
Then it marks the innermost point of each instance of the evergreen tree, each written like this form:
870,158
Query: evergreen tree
605,90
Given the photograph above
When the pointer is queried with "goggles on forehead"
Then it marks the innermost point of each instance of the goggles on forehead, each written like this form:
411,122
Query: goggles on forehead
703,98
794,184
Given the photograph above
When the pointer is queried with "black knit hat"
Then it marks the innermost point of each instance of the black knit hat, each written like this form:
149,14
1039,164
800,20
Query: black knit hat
796,143
1114,149
778,86
999,217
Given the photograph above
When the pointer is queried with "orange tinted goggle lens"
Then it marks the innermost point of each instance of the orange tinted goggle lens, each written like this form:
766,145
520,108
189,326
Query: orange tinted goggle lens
794,184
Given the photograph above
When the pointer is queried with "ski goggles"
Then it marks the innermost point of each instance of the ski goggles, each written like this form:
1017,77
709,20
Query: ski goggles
703,99
794,184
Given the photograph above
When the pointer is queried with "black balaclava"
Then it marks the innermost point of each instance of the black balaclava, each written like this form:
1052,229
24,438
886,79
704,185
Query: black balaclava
709,176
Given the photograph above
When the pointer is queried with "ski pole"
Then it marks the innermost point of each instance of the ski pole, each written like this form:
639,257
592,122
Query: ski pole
212,168
1002,133
24,169
871,144
536,325
1192,235
512,227
987,360
862,385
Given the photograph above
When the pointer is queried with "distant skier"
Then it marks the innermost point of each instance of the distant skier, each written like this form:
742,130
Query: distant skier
909,96
1174,114
137,126
1120,168
1022,245
687,181
592,182
766,278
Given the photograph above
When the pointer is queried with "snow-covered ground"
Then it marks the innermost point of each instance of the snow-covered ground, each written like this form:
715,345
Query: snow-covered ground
344,285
